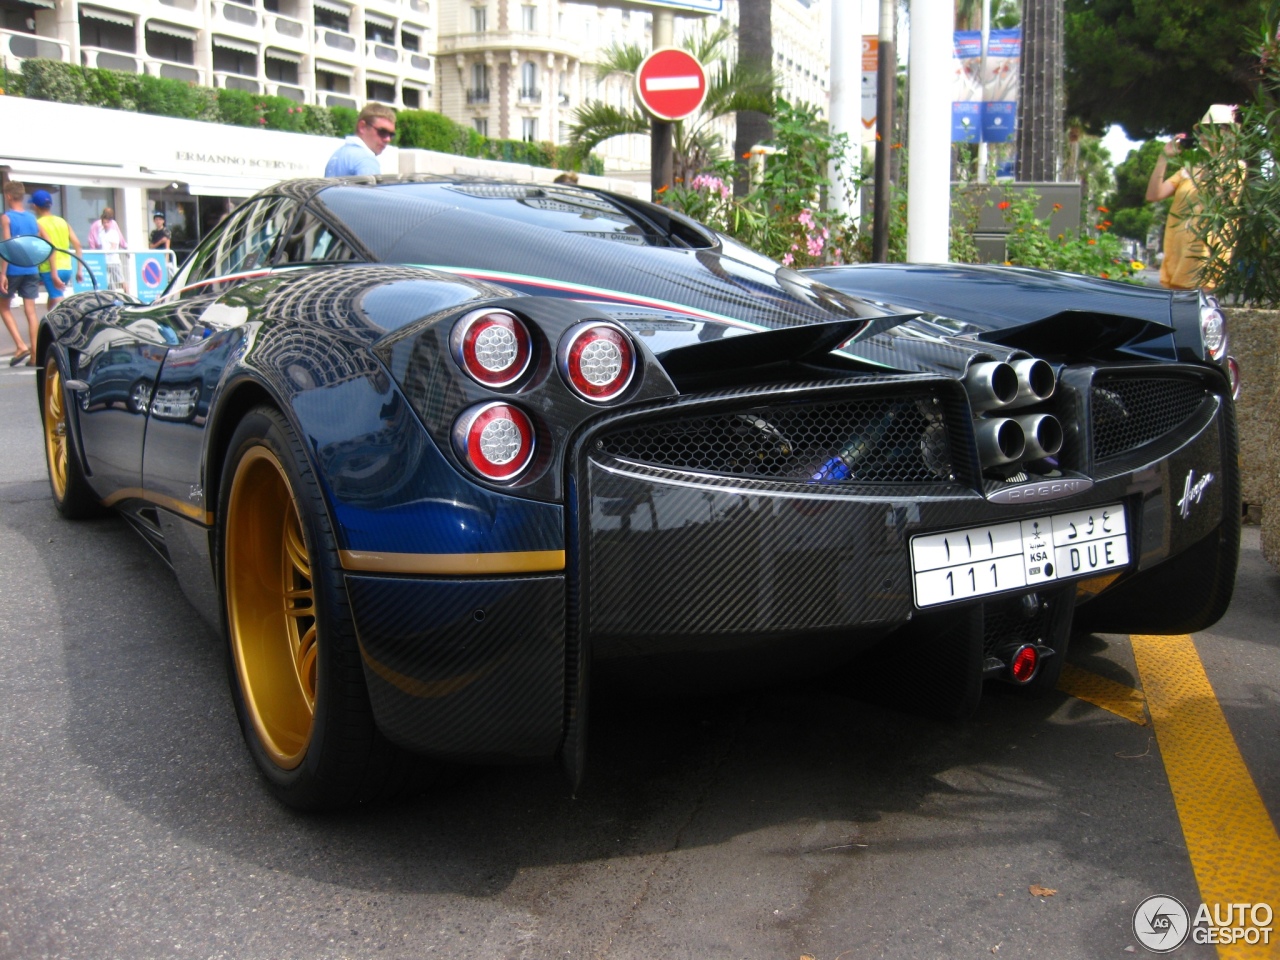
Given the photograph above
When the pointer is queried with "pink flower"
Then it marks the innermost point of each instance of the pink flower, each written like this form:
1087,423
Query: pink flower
787,259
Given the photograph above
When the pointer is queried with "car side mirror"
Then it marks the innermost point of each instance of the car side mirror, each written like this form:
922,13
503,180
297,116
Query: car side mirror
26,251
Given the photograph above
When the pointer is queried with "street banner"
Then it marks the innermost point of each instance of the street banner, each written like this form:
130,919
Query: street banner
1000,79
966,87
870,63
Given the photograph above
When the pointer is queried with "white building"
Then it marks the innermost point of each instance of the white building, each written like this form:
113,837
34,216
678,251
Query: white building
323,52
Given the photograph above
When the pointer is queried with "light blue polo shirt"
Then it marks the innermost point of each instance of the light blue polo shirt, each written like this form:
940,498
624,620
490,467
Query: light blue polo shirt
351,159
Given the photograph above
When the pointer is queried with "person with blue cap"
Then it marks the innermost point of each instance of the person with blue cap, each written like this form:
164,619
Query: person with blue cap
56,271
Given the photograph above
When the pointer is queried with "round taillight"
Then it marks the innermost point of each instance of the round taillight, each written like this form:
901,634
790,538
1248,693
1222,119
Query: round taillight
495,440
1213,328
1024,663
597,360
492,346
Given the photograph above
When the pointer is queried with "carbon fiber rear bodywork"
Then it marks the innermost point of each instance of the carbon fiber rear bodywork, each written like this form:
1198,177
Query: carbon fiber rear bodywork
757,498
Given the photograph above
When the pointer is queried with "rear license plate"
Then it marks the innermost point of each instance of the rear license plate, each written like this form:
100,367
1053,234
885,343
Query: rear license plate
1021,553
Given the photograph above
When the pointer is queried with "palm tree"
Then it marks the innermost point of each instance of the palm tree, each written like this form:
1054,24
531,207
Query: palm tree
697,145
755,49
1042,91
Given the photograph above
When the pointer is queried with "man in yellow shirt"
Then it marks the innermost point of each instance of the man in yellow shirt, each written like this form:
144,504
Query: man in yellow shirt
59,233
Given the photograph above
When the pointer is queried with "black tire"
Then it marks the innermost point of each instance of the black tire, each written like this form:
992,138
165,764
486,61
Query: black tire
71,492
296,675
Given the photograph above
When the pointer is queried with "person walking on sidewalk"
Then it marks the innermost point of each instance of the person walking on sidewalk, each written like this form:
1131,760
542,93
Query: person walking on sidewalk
18,281
56,271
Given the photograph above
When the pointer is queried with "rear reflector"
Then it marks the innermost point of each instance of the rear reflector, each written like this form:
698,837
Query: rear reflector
1024,663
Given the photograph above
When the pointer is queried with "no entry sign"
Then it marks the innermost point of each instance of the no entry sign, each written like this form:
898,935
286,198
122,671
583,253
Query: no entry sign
670,84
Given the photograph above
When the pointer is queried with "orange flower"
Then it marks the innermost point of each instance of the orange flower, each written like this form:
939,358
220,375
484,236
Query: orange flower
663,189
1104,275
747,155
1106,223
1057,207
1003,204
1093,243
1103,210
897,146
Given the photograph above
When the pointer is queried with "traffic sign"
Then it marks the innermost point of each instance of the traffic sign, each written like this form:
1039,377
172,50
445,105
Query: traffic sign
670,84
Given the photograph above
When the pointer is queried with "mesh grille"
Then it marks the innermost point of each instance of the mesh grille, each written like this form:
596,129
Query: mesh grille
1128,413
867,440
1006,623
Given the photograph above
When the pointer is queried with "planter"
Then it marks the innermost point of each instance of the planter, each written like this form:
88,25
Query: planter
1255,343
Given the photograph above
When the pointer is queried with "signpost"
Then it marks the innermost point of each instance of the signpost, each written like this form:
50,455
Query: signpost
670,85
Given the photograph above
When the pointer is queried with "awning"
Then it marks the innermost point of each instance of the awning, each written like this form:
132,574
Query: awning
230,43
46,4
171,30
326,66
84,174
211,185
341,9
386,23
288,56
107,16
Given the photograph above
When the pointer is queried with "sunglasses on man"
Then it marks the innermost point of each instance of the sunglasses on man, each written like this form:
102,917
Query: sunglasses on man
383,133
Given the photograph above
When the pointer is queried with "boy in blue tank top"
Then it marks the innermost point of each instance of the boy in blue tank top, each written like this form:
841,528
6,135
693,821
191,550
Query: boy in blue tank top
14,280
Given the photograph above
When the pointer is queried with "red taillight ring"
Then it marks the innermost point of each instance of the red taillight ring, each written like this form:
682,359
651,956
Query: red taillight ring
492,346
597,360
495,440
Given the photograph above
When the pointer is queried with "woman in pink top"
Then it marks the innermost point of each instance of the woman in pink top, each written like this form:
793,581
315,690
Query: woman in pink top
105,234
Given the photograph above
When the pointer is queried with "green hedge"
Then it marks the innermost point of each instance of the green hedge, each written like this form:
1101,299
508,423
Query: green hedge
161,96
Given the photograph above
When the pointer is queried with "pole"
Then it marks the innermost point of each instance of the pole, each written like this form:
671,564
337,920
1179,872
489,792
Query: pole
982,73
846,102
929,141
661,132
886,93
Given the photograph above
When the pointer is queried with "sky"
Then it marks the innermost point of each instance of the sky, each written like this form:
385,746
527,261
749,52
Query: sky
1119,144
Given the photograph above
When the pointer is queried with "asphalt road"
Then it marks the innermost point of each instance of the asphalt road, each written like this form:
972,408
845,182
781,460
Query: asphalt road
769,824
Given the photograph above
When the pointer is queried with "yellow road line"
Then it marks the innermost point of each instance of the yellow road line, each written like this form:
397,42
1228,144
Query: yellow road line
1115,697
1233,845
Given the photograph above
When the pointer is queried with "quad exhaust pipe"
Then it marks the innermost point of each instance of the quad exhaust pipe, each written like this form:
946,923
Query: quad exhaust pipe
995,385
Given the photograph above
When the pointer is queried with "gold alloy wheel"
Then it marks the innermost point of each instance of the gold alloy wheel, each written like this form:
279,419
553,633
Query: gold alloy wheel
55,430
271,607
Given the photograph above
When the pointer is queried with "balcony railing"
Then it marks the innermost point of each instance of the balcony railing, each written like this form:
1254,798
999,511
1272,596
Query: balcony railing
478,96
287,90
180,4
110,60
418,62
235,13
334,40
16,47
175,71
381,51
286,27
532,43
530,95
233,81
335,100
